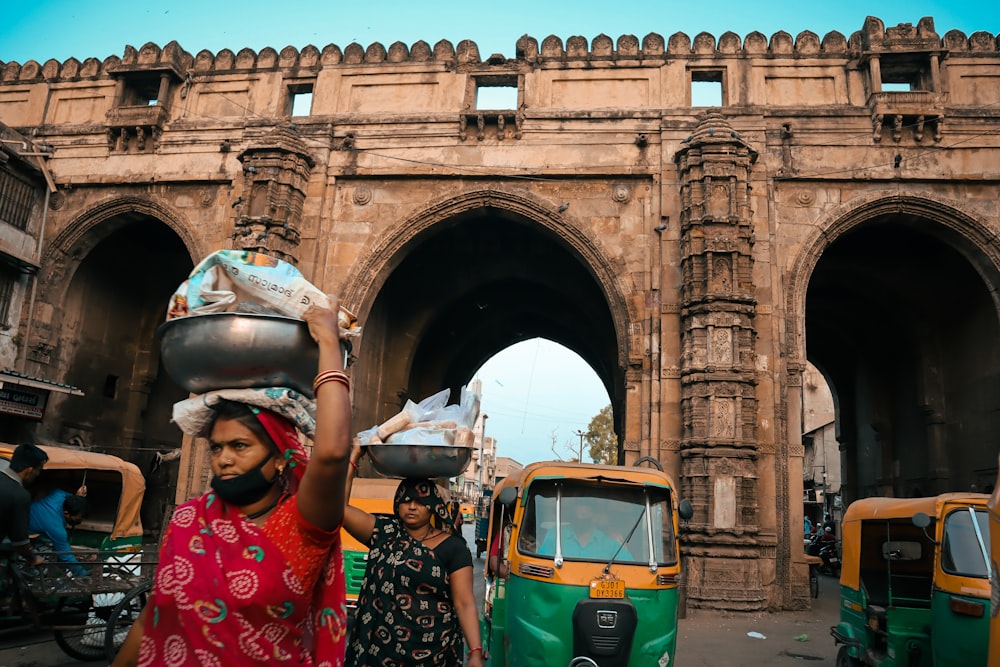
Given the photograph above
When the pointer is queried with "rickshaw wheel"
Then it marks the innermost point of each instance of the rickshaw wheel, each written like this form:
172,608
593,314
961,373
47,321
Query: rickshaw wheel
123,616
88,641
813,581
845,659
84,643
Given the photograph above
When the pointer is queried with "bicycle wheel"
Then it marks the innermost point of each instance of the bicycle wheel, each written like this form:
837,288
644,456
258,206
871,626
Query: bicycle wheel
123,616
85,641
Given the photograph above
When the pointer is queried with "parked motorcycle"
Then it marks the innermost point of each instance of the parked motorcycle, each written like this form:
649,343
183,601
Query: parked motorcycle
827,550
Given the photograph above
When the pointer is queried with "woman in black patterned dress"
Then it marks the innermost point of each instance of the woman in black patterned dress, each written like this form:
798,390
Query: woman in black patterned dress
416,602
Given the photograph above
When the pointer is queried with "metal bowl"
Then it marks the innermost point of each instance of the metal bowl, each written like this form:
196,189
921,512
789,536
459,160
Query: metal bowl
238,350
419,460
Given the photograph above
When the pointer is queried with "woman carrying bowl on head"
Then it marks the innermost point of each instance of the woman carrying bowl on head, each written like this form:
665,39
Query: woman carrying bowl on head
252,572
416,602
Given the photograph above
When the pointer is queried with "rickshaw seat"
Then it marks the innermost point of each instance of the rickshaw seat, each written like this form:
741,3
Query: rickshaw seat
875,584
911,590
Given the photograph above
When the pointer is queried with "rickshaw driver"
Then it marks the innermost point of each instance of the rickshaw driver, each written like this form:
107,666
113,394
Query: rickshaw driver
581,538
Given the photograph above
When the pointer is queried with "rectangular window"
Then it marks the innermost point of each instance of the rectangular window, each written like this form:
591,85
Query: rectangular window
496,93
7,283
905,73
300,98
16,198
706,88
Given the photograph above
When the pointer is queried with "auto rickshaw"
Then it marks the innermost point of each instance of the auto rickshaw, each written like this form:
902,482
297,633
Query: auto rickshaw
557,598
993,508
114,493
89,612
914,583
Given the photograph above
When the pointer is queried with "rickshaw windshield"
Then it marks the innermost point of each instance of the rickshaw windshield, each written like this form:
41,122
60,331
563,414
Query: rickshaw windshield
961,550
598,523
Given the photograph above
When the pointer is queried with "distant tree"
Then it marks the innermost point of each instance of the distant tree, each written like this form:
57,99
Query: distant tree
601,438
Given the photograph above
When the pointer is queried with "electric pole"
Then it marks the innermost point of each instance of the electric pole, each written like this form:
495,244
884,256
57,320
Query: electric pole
581,434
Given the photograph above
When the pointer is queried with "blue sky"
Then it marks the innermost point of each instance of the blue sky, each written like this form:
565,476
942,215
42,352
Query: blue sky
60,29
535,391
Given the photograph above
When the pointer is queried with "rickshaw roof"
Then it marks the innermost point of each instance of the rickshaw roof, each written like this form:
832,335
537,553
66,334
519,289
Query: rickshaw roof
904,508
590,472
127,523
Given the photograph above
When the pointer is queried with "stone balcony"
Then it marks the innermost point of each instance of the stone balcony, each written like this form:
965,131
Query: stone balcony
907,110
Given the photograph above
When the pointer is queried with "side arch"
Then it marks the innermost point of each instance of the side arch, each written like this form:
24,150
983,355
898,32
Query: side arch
84,232
969,234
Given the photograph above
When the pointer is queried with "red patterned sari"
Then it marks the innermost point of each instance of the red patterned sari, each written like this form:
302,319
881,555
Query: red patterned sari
230,593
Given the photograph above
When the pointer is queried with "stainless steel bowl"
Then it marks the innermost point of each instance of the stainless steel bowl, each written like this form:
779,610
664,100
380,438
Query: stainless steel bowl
238,350
419,460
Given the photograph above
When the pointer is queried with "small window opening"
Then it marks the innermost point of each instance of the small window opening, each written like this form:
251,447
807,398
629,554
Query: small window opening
905,74
496,93
706,88
111,386
888,86
141,92
7,283
300,99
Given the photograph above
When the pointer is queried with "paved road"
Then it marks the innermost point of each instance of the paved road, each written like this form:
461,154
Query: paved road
705,639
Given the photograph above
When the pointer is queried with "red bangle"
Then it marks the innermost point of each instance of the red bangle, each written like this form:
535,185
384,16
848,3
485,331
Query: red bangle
354,465
339,377
473,650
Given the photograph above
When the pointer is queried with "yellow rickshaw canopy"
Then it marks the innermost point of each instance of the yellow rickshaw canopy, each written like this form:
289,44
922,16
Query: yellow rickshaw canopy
127,521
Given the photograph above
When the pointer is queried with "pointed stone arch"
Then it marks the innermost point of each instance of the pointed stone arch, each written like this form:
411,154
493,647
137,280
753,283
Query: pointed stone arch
369,274
63,254
980,246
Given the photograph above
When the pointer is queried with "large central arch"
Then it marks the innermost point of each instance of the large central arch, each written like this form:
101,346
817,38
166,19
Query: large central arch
471,275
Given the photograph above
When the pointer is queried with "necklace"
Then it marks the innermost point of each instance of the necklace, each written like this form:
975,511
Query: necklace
258,514
430,530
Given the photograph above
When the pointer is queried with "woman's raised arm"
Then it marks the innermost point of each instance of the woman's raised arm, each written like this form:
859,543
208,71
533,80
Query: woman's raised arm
322,488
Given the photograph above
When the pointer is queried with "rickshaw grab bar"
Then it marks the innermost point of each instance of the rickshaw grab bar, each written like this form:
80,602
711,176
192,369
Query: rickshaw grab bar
559,557
982,543
649,532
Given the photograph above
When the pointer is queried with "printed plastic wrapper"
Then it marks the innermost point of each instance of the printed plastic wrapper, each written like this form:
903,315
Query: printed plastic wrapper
244,281
430,422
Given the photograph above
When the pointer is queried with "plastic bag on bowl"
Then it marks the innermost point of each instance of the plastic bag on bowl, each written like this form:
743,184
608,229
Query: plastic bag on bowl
423,436
224,280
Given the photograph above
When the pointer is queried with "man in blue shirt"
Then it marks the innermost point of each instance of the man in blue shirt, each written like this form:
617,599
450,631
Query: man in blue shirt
581,538
49,517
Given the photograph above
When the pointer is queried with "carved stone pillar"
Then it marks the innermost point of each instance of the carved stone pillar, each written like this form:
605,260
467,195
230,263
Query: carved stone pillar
719,449
276,169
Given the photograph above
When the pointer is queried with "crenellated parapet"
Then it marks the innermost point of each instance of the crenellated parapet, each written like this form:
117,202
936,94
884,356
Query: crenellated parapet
625,49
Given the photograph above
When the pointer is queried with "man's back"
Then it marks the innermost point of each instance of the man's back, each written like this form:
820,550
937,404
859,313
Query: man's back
14,503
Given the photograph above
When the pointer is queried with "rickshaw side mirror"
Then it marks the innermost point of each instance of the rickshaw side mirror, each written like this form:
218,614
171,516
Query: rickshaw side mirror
921,520
685,509
507,496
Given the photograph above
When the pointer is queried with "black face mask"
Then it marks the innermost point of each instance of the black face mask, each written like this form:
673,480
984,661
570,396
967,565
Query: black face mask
244,489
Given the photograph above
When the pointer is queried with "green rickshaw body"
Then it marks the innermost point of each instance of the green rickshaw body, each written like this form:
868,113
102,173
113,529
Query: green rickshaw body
540,600
543,626
915,595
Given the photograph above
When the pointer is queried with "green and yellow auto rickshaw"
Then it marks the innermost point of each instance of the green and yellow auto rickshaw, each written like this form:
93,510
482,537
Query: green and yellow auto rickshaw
914,583
584,567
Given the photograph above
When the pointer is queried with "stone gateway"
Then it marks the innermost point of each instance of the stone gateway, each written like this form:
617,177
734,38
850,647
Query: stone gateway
832,201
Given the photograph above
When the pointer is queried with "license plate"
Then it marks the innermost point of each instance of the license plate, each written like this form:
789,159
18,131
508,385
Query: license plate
607,588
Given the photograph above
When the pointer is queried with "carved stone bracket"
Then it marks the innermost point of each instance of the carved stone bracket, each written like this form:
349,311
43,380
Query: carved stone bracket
490,124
